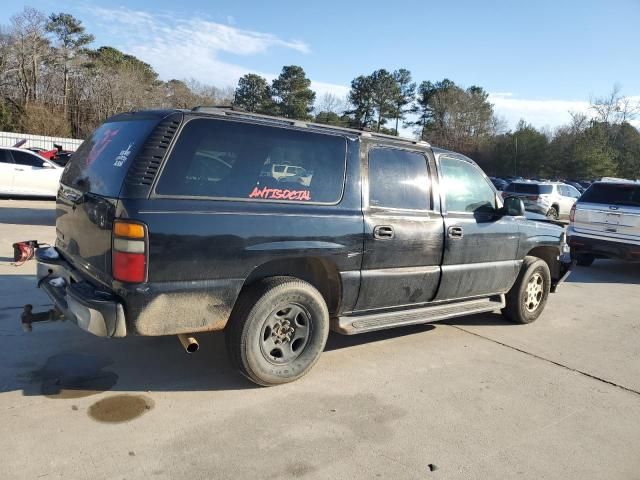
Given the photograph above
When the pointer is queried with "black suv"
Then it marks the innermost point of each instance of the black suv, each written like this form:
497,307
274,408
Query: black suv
176,222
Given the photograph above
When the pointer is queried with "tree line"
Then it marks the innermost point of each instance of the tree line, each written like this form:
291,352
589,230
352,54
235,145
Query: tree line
53,83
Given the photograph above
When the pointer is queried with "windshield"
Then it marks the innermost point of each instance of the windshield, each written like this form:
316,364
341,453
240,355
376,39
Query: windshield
101,163
613,194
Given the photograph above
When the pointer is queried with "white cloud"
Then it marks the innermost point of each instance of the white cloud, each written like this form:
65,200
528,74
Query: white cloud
539,112
188,47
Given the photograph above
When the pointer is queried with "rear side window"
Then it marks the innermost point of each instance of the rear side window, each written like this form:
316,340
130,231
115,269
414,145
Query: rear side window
224,159
398,179
530,188
5,156
613,194
102,161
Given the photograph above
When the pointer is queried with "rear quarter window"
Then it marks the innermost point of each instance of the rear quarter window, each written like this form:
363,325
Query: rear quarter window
233,160
101,163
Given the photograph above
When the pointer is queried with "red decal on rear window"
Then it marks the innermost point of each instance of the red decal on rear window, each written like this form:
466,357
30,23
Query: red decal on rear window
279,194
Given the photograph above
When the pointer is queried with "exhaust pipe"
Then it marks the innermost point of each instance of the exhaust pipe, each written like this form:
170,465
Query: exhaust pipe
190,344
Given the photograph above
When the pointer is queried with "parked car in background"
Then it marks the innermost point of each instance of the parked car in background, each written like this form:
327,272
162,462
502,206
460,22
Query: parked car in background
553,199
23,172
575,185
171,210
57,155
499,183
605,222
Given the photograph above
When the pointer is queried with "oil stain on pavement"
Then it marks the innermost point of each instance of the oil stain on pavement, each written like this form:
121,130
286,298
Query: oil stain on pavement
120,408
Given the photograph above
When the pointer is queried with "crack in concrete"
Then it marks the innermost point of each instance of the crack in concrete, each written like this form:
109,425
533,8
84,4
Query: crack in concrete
553,362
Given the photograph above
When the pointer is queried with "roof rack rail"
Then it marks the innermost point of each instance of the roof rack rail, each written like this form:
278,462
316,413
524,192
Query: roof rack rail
233,111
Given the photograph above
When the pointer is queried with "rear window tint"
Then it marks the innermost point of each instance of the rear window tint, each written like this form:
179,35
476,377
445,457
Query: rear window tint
612,194
102,161
532,188
223,159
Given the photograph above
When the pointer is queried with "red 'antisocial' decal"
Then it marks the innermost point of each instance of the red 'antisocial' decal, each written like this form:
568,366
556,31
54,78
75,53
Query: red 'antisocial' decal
278,194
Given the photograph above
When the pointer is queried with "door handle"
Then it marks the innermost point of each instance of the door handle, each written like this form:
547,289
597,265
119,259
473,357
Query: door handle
454,232
383,232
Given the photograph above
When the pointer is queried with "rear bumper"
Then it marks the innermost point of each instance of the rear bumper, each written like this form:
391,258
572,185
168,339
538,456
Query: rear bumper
92,309
603,248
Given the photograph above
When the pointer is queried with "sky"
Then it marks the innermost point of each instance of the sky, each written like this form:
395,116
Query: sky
537,59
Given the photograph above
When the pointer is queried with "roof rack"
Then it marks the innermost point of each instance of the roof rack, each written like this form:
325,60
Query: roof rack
232,111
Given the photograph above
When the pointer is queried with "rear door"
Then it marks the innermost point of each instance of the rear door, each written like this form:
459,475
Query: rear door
6,171
90,186
610,210
480,247
403,232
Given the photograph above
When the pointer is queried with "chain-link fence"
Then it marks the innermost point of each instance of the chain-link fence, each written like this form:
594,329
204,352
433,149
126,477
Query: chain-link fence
9,139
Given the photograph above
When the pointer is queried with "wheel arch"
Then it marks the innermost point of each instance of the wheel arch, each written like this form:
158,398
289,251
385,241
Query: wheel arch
550,255
323,274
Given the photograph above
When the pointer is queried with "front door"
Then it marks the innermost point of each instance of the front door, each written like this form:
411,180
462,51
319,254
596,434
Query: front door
480,246
403,234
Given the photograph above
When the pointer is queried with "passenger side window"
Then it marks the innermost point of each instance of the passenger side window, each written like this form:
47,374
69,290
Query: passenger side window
26,159
234,160
465,188
22,158
5,157
398,179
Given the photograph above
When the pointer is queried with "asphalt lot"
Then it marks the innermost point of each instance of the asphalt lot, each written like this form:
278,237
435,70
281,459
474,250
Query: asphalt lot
475,398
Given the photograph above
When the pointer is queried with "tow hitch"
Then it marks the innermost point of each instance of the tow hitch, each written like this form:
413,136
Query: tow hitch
28,317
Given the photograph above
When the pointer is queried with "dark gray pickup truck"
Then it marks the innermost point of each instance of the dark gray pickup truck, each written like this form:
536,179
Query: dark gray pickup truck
276,231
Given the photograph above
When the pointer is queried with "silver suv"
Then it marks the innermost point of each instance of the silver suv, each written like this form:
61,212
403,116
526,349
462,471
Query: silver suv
605,223
553,199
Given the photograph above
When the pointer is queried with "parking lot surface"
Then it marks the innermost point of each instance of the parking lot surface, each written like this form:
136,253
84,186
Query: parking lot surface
475,397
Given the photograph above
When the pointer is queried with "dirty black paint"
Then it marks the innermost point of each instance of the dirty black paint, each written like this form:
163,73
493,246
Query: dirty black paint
74,375
120,408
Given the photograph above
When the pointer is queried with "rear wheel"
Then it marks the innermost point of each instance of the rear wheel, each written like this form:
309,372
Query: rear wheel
552,213
584,259
528,296
277,330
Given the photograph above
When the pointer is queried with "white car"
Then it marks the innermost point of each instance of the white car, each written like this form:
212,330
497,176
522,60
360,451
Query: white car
26,173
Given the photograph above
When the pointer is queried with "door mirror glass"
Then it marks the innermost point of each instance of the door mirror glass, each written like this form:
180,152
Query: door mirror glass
513,207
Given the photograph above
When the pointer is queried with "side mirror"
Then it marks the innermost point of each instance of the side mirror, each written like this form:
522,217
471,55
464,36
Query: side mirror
513,207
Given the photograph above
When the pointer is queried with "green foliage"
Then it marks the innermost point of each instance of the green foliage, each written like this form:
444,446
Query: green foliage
292,95
253,94
69,32
361,97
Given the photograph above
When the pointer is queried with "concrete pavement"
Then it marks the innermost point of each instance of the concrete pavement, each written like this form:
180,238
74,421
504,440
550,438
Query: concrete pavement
475,398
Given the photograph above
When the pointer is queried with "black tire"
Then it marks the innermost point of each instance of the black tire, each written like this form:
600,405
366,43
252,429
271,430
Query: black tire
278,309
584,259
523,296
553,213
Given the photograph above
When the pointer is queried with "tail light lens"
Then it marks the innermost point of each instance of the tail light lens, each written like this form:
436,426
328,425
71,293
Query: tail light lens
129,252
572,213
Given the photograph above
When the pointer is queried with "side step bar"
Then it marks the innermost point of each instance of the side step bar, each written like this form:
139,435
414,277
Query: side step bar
351,325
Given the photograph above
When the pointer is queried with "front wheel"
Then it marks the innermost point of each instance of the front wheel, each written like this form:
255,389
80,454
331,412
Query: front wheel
277,331
528,296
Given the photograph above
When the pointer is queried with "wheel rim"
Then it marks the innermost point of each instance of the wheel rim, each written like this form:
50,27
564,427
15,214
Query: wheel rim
285,333
535,291
552,213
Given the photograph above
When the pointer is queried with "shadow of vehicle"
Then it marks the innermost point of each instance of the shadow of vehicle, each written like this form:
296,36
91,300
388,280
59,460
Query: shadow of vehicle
28,216
607,271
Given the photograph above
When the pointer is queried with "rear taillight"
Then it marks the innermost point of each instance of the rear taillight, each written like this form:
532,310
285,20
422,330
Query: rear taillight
572,213
129,258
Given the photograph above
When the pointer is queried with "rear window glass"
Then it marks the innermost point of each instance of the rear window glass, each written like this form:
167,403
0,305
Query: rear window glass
613,194
532,188
223,159
102,161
